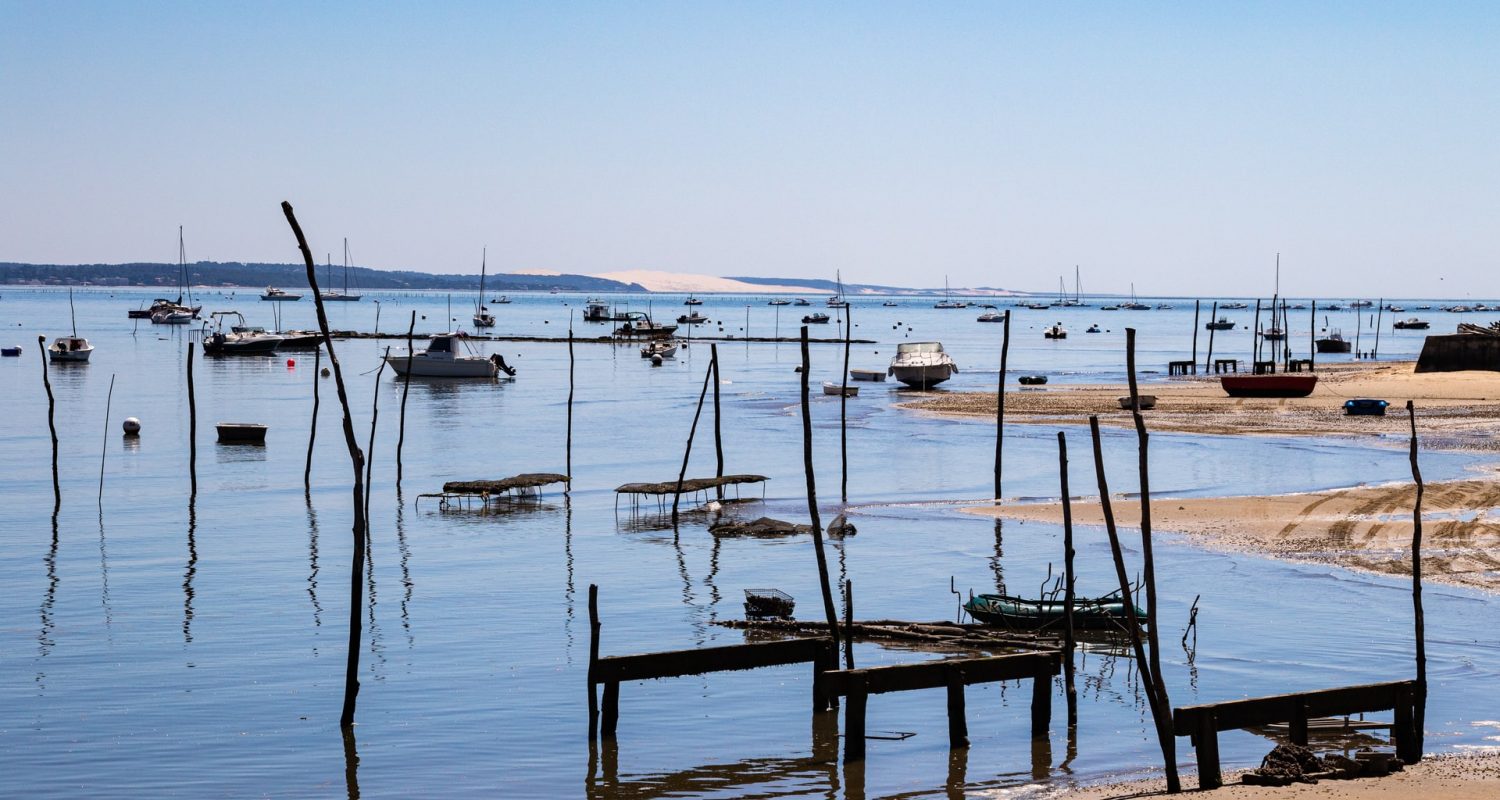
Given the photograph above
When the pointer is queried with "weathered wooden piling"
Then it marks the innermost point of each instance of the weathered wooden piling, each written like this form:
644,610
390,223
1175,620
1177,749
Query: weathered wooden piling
848,624
1255,336
370,452
568,455
41,342
1379,319
1213,319
406,390
812,497
1312,337
687,452
844,410
1000,404
1197,306
1419,711
312,429
192,425
1070,643
104,448
356,460
593,658
1169,744
713,360
1159,710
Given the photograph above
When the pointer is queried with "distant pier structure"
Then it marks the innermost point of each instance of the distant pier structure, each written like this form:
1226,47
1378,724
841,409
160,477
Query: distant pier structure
1472,347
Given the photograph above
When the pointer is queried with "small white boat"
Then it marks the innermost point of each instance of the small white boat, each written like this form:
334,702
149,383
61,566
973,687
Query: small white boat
867,375
241,339
74,349
276,295
921,364
168,317
991,317
779,303
836,389
1056,331
663,349
444,358
482,316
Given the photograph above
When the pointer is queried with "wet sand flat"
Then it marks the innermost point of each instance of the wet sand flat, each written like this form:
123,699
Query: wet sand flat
1454,409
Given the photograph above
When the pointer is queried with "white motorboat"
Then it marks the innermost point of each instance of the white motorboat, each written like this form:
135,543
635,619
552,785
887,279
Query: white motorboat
74,349
921,364
240,340
867,375
1056,331
274,294
836,389
179,316
991,316
638,323
665,349
70,349
445,357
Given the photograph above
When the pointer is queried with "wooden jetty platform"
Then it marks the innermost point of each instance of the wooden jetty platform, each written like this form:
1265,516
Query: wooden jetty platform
666,489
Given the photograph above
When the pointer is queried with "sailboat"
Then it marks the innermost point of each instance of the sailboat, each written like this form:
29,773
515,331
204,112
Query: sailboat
948,301
838,301
1135,305
482,316
70,349
167,312
334,295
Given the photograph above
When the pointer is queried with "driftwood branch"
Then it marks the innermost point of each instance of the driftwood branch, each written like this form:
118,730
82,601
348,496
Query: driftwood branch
312,430
812,497
406,390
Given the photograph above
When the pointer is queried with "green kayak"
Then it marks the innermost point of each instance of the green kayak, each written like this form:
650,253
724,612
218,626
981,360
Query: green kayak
1019,612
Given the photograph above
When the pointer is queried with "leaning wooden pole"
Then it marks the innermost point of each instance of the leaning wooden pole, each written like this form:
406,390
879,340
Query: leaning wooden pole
1255,337
812,497
41,343
1419,712
356,461
1312,339
312,430
1197,306
1164,731
1143,664
1070,644
713,360
1213,319
370,451
844,411
192,425
568,444
1000,405
405,390
688,451
108,401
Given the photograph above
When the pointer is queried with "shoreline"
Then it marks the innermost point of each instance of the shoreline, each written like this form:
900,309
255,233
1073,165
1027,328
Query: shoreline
1455,410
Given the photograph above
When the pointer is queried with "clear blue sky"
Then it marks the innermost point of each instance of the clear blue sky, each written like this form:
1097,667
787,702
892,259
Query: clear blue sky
1178,146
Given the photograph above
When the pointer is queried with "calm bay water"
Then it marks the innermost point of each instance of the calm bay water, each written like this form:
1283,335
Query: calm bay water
148,650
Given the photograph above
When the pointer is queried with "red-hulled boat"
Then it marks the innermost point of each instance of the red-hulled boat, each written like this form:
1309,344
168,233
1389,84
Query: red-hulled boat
1268,385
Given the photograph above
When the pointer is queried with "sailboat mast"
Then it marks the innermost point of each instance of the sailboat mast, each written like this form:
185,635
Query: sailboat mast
346,265
181,264
483,265
72,314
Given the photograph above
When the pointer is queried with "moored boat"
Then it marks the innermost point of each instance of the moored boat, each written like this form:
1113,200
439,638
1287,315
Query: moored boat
638,323
241,432
69,349
836,389
1333,343
1056,331
444,358
240,340
1018,612
815,318
1268,385
275,295
1412,324
1220,324
921,364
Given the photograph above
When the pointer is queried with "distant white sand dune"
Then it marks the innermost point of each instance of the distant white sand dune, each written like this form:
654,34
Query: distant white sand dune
658,281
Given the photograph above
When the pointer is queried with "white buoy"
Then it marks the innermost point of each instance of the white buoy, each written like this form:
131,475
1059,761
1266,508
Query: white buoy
656,360
132,426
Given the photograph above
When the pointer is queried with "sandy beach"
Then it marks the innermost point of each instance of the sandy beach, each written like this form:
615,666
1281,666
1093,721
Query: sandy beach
1454,409
1441,777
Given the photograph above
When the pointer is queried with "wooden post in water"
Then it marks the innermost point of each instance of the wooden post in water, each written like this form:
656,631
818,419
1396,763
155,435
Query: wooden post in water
1197,306
1164,729
848,624
312,431
1379,319
1000,404
370,452
1419,711
688,451
844,411
1070,644
593,658
41,343
108,401
1255,337
1160,715
569,444
1312,338
812,499
406,389
713,360
1213,319
356,460
192,425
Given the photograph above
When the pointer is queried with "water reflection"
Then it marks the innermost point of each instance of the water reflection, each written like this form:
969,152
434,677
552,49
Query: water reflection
738,779
109,614
377,647
192,569
312,566
49,599
997,565
406,581
568,566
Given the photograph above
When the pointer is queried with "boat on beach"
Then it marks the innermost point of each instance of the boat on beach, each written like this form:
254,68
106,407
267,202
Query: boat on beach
921,365
445,358
867,375
1283,385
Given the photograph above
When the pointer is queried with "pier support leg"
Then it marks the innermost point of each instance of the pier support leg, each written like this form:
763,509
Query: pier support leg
1208,753
854,722
958,724
827,660
611,713
1404,728
1041,705
1297,729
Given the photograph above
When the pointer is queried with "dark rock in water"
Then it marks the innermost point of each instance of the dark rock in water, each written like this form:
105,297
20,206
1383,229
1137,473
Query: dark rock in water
841,527
764,526
1289,763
